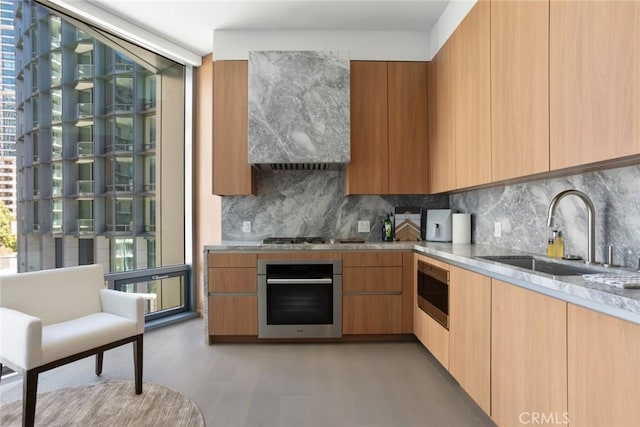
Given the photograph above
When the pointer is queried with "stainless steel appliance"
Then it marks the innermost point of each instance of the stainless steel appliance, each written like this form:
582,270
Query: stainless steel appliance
299,298
433,292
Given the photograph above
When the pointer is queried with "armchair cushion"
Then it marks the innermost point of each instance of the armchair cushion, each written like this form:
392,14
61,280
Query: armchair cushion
75,336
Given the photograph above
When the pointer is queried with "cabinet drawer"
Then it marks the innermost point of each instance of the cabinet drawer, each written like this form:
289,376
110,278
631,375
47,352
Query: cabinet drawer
233,315
371,314
432,335
233,279
372,259
231,260
372,279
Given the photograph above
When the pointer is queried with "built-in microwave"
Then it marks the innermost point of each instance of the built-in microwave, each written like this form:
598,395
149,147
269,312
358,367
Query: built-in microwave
433,292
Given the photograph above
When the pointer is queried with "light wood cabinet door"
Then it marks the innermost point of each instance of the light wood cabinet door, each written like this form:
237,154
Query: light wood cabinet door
233,279
371,314
233,315
232,173
595,81
372,259
472,97
372,279
441,157
432,335
407,95
604,373
528,355
368,170
470,334
519,88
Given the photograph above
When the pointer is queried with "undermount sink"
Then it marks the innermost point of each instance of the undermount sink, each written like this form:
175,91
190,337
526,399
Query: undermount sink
531,263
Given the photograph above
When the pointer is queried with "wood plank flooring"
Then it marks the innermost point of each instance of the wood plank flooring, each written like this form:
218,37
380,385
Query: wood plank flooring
325,385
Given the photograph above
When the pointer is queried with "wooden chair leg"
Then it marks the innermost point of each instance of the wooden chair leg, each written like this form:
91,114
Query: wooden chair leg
137,361
29,394
99,358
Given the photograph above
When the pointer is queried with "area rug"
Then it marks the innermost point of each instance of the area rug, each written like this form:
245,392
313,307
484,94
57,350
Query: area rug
109,404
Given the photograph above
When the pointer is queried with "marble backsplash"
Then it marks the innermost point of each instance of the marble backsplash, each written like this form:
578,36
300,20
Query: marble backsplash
311,203
522,211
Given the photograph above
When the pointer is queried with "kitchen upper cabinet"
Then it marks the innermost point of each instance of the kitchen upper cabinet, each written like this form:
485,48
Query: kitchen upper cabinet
368,170
470,334
595,81
519,88
440,117
528,355
232,173
604,373
472,97
407,93
388,128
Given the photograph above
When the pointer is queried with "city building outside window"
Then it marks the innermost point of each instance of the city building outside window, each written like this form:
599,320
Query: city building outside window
92,137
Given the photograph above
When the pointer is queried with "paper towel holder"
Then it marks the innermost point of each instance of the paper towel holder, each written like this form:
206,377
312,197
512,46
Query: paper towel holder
461,228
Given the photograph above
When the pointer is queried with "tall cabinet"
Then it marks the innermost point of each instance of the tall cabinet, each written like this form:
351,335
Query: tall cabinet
595,81
232,173
388,128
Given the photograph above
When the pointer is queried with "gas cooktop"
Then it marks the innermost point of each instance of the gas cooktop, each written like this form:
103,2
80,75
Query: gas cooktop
292,240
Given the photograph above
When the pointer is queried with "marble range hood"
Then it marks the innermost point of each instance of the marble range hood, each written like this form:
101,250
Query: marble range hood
299,110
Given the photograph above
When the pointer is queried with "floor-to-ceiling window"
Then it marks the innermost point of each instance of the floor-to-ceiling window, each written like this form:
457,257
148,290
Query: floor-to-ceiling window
97,142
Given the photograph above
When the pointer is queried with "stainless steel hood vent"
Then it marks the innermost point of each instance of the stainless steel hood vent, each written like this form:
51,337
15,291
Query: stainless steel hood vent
299,117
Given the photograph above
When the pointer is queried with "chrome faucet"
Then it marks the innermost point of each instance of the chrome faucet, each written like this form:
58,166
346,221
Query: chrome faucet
591,245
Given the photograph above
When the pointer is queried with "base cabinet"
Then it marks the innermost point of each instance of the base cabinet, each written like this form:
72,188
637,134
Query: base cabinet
233,315
233,301
528,356
371,314
604,369
432,335
372,288
470,334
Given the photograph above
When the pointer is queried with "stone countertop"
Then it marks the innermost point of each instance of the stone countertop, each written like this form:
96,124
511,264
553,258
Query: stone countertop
621,303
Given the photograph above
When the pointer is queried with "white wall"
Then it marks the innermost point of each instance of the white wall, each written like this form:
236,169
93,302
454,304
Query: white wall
361,45
452,16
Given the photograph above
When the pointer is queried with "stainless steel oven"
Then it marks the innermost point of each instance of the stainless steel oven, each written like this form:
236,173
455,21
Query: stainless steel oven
299,298
433,292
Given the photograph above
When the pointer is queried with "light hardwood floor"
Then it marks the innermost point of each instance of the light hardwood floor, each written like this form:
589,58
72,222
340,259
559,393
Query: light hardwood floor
354,384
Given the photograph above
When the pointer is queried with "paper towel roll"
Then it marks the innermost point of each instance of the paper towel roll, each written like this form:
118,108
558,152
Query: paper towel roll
461,225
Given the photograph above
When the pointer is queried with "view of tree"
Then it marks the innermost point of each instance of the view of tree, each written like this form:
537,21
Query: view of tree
7,237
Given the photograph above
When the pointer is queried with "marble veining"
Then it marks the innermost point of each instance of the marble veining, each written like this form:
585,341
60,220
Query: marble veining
311,203
299,107
522,211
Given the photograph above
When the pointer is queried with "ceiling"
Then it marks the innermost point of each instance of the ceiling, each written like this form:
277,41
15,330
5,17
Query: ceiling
190,23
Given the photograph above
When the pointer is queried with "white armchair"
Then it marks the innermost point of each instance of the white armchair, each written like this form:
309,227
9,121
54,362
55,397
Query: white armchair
52,317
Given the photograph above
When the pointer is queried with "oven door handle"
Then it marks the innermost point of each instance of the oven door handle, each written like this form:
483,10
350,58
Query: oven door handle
321,281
